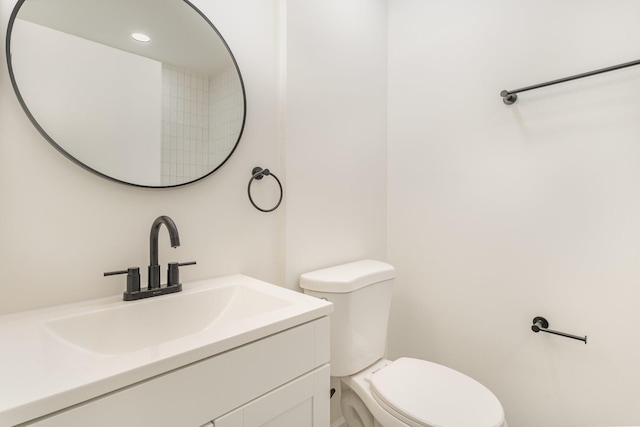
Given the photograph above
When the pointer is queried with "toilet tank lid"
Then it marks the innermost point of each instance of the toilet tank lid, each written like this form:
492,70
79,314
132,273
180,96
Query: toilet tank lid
347,277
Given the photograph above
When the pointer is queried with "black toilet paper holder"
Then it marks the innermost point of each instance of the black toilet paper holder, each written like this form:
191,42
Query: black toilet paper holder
540,324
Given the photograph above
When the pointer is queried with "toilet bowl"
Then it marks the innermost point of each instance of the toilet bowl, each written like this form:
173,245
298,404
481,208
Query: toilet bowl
377,392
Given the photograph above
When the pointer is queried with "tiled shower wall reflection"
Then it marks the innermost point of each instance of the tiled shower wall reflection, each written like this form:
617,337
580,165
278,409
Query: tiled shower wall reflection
201,116
226,112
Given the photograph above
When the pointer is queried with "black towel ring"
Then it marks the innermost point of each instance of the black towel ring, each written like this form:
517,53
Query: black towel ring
259,173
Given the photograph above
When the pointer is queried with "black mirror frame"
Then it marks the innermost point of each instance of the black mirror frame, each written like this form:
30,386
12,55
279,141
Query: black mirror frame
49,139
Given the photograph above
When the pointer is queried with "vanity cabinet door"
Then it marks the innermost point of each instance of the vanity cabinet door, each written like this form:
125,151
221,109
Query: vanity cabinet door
232,419
303,402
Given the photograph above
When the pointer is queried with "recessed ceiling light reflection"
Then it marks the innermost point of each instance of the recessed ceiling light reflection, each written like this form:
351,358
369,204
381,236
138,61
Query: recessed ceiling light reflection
140,37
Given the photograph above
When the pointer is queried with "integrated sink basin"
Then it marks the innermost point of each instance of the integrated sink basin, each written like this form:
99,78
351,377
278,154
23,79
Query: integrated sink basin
63,356
123,328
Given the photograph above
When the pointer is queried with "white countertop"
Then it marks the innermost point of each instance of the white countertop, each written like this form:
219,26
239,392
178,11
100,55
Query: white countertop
40,373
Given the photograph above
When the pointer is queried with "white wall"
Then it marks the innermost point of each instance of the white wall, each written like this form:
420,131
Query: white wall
500,213
334,89
335,129
61,226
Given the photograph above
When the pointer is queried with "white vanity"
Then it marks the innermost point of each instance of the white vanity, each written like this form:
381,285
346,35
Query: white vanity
227,352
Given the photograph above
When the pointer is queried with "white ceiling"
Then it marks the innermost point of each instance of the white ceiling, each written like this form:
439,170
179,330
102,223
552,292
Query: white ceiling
180,36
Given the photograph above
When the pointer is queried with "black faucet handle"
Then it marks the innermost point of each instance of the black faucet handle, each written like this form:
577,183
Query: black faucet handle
133,277
181,264
173,272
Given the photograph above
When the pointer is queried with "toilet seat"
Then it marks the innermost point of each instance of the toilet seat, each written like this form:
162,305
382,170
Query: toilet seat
426,394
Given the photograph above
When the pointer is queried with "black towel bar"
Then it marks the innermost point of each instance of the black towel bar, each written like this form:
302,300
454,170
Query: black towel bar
510,96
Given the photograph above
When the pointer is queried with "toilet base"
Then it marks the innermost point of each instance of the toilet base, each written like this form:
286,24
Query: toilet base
353,409
358,384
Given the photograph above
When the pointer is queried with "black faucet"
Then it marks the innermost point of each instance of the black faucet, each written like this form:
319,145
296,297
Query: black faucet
133,291
154,267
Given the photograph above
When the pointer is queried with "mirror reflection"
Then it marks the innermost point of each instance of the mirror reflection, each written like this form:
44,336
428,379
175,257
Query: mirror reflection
144,92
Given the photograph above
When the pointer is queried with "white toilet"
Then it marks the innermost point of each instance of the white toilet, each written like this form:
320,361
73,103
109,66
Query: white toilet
382,393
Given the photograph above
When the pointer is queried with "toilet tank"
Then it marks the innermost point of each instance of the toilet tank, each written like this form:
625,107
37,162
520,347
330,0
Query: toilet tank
361,296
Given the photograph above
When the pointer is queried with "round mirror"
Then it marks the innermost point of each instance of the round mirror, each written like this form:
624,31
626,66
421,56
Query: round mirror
143,92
